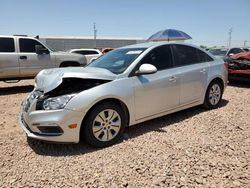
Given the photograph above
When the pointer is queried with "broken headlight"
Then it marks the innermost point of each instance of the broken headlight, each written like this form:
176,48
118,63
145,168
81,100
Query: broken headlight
56,103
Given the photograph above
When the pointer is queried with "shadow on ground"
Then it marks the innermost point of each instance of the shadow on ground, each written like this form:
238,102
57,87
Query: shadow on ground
16,90
50,149
240,84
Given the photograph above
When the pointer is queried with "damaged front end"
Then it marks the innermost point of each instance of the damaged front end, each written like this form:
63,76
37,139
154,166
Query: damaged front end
44,114
60,96
239,66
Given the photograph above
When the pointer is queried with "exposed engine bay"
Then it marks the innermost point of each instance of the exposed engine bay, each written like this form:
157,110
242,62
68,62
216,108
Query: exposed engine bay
74,85
70,86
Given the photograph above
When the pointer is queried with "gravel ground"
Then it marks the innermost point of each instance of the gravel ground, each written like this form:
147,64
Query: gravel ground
191,148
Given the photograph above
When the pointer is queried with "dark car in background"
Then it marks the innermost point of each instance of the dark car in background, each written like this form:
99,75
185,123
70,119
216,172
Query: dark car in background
225,52
239,67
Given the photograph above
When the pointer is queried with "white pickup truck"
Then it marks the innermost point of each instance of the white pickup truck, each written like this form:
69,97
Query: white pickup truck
22,57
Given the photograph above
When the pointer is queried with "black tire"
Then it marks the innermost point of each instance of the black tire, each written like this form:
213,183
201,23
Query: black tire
87,132
207,102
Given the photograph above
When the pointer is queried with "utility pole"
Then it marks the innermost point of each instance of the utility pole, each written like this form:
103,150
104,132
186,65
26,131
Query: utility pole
245,43
230,37
95,33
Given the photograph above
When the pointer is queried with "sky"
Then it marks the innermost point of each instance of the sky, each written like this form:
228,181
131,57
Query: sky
206,21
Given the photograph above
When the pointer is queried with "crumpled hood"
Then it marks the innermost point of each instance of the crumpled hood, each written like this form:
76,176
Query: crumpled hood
49,79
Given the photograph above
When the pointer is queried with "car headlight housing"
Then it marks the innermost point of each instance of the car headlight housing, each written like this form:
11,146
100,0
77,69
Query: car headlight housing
56,103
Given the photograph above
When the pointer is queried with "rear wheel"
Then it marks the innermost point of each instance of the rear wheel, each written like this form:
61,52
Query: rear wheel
213,95
104,125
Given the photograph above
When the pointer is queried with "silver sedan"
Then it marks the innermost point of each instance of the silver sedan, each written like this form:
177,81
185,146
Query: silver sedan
122,88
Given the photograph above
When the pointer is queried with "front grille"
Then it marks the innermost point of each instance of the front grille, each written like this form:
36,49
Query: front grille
50,131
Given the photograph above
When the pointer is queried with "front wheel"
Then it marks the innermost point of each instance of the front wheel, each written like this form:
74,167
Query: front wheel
213,95
104,125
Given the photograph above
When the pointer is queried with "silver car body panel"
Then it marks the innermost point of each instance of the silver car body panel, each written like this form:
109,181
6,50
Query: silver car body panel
145,96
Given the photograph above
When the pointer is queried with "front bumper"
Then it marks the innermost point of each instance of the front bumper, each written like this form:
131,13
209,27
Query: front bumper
32,122
240,75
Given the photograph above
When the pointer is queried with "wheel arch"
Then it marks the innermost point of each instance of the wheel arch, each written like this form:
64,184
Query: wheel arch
113,100
220,80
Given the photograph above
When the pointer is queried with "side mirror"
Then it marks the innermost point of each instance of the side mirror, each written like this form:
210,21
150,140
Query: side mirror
41,50
146,69
231,54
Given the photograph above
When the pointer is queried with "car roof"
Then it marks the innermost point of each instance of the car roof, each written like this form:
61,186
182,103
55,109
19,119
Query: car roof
155,44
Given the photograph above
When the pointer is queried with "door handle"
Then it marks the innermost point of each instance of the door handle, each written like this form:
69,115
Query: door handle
172,79
203,71
23,57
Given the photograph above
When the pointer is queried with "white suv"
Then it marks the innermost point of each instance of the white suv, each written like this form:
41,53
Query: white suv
23,57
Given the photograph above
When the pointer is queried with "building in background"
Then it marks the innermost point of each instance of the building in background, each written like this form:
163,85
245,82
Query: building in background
66,43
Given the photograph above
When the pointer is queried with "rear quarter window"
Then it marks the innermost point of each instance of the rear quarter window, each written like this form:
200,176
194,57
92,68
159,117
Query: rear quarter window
203,56
7,45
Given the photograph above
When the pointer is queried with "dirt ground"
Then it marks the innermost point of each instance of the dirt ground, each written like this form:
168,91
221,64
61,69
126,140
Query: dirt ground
191,148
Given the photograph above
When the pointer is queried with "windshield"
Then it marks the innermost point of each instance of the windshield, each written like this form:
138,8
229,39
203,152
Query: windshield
219,52
117,61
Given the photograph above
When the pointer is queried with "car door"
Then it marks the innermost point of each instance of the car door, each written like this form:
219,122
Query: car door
31,62
9,66
158,92
193,72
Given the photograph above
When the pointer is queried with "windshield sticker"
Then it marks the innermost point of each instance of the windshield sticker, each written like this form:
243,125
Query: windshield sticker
134,52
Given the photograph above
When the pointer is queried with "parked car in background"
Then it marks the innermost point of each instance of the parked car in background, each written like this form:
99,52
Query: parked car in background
126,86
239,67
245,49
225,52
106,50
23,57
88,53
218,52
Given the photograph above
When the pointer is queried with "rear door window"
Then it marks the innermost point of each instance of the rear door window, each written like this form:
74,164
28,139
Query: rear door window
185,55
7,45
